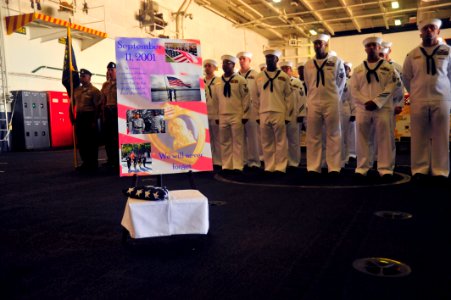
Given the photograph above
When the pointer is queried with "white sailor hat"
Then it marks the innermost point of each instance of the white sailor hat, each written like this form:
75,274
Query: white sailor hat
386,44
321,37
275,52
262,66
372,39
436,22
245,54
332,53
229,57
385,50
301,64
286,64
211,62
349,64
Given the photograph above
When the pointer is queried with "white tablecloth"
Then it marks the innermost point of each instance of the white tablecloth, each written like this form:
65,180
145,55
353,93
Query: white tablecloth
186,212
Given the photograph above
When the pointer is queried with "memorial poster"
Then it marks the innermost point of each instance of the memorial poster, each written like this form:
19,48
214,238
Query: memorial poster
162,113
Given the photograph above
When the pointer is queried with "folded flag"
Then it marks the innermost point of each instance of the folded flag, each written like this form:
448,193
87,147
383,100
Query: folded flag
147,192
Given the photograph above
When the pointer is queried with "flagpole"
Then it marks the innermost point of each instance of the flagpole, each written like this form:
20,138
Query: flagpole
74,139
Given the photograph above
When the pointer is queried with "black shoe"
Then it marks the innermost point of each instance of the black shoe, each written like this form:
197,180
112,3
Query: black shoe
387,178
334,174
313,174
419,177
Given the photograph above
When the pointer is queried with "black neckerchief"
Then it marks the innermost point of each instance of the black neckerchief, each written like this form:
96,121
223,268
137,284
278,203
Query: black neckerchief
305,88
319,72
430,62
227,87
247,73
372,71
270,81
209,85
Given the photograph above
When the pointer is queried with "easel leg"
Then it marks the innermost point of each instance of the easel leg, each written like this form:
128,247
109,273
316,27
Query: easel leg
191,180
160,180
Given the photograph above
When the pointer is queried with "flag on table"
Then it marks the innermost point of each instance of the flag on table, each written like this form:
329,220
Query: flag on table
181,56
174,81
70,64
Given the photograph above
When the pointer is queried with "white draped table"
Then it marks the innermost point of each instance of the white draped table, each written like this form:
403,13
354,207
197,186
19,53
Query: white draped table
186,212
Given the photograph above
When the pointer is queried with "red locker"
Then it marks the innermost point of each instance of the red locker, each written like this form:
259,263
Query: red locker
60,125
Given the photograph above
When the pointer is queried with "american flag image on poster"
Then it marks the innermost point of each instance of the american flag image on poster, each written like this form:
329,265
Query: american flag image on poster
174,81
181,56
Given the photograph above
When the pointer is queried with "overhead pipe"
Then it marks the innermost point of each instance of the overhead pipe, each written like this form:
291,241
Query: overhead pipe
178,19
383,10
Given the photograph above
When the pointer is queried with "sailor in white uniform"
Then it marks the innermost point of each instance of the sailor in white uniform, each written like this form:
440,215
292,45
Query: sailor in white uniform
298,102
232,97
325,79
373,84
398,96
210,66
273,105
347,117
252,141
427,77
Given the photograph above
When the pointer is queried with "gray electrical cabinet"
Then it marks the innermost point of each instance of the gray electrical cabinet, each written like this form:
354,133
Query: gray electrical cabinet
30,121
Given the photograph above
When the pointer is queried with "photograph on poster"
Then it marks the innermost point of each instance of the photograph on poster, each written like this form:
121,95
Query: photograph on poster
136,158
181,52
144,121
175,88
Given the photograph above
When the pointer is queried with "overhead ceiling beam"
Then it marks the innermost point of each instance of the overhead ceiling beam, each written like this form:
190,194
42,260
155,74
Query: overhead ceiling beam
284,18
383,10
375,3
349,12
207,5
378,14
317,16
250,8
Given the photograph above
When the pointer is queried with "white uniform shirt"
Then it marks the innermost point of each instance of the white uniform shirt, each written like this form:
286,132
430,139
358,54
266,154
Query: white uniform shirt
398,96
211,106
380,92
251,77
300,98
279,99
347,105
239,101
424,86
334,80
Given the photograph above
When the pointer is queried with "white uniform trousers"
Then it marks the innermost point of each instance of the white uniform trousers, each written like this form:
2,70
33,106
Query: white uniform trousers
430,137
294,148
214,142
348,138
274,141
252,145
329,115
381,120
231,133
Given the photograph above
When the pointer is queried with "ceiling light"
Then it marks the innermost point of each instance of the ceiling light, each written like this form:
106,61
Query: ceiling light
312,32
395,4
398,22
276,1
